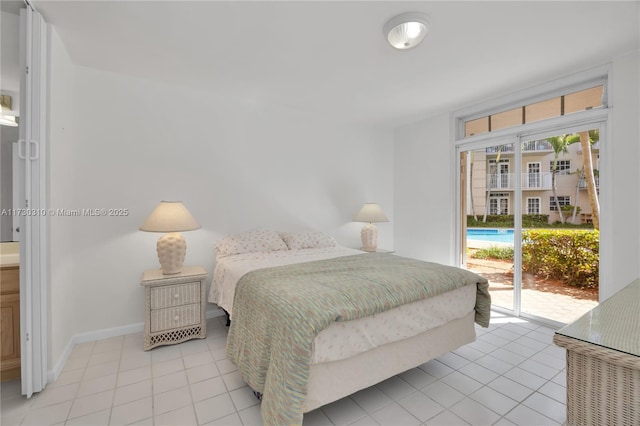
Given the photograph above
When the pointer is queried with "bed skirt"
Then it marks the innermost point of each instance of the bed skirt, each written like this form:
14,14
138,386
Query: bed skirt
331,381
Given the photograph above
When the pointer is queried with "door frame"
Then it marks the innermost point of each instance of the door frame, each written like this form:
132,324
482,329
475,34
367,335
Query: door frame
598,117
599,122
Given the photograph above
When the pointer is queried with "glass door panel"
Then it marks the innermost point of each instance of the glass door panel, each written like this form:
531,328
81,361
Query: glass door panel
559,245
487,197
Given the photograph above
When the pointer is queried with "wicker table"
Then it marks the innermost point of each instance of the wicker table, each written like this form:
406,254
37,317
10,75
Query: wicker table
603,362
174,306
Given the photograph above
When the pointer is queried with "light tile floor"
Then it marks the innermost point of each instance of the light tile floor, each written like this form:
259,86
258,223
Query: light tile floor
511,375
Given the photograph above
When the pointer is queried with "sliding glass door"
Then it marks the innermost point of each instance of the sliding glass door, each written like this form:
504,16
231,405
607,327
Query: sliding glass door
529,220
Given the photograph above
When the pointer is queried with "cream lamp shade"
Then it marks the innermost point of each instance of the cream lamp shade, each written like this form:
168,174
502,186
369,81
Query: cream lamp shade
370,213
171,217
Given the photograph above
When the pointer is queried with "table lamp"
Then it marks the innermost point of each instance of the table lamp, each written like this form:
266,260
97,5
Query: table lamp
370,213
171,217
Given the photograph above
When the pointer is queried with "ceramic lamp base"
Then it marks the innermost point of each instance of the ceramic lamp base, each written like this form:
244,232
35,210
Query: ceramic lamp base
172,249
369,236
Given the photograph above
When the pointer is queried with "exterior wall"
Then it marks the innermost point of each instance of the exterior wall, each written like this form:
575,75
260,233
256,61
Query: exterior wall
566,184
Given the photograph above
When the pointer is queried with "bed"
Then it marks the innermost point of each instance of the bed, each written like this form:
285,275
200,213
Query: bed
313,322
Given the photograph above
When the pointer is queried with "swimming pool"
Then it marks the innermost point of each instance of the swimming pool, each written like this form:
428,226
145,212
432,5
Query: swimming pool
490,235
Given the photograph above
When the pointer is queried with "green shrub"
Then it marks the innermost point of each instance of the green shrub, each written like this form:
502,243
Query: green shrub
494,252
568,255
569,209
528,221
506,221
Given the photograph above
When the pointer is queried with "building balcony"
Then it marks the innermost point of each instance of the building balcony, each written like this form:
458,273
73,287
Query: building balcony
583,182
530,181
529,146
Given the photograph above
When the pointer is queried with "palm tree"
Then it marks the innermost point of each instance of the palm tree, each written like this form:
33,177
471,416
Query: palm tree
473,206
493,178
559,144
580,173
586,140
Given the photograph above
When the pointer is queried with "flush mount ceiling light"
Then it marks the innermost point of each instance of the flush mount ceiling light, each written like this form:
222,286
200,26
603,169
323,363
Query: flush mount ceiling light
406,30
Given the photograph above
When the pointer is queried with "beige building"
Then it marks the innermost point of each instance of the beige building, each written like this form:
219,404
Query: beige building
492,180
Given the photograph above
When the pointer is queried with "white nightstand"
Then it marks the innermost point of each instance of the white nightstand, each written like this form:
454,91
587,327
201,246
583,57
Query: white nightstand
378,251
174,306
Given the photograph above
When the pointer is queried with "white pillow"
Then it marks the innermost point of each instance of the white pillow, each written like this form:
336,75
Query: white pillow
307,239
252,241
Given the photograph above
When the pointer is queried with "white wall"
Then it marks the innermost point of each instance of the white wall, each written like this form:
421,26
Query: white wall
423,190
625,222
61,180
424,164
236,166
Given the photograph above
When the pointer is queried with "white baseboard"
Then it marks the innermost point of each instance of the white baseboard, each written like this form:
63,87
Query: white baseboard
89,336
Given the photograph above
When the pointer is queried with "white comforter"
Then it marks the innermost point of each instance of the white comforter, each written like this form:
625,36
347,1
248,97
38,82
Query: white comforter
345,339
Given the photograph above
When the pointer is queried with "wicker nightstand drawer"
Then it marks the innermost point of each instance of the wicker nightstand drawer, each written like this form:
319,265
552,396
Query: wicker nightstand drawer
175,295
179,316
174,307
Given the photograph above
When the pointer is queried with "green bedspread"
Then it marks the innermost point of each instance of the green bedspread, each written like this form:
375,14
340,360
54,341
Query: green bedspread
277,313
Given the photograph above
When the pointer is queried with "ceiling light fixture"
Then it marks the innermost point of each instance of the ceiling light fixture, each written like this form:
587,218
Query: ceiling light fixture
406,30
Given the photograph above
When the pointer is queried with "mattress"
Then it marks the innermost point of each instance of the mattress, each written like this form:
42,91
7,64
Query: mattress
344,340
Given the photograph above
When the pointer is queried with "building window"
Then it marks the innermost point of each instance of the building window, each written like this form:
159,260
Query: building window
533,205
563,200
563,167
533,178
499,203
499,176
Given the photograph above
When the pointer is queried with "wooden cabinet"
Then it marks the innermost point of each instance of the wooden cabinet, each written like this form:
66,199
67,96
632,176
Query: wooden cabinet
10,322
174,306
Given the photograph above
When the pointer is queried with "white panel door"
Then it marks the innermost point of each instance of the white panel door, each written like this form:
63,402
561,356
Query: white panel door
32,146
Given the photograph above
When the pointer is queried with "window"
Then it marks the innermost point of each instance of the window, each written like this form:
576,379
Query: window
583,100
533,178
505,119
499,176
475,127
563,200
499,203
533,205
543,110
563,167
568,103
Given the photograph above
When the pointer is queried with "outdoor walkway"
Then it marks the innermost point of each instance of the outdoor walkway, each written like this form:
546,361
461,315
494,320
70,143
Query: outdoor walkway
557,307
563,308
